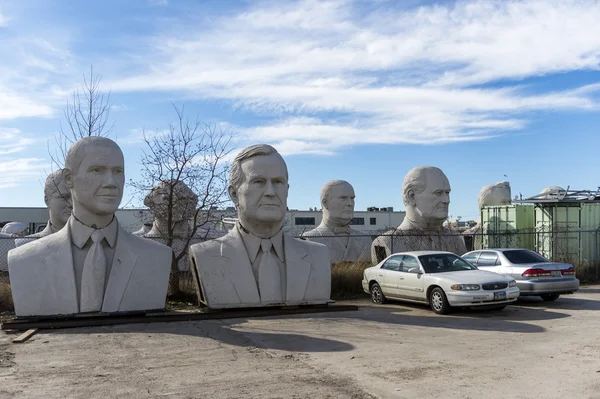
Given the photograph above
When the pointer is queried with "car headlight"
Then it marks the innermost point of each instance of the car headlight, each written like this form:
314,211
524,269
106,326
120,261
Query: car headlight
512,283
466,287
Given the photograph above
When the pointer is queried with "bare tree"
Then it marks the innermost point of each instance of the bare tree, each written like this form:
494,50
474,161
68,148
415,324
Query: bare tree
87,114
183,181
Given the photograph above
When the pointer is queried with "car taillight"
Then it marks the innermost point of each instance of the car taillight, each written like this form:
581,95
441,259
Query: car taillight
568,272
536,273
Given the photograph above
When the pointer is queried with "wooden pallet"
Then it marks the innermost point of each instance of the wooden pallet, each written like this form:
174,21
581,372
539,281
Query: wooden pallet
162,317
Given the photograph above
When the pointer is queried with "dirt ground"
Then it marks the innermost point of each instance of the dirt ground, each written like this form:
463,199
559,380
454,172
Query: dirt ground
530,350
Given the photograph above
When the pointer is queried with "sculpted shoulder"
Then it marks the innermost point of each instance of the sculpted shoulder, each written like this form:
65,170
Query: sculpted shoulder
210,245
145,244
32,249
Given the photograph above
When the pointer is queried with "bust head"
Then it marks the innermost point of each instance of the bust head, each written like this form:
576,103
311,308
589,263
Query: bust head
258,186
494,194
183,203
58,199
553,192
337,201
95,173
426,196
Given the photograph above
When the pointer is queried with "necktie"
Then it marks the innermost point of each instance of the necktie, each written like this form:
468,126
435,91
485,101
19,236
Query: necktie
93,276
269,282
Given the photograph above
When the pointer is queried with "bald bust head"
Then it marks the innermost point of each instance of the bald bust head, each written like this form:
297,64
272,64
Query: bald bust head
426,196
337,201
57,198
494,195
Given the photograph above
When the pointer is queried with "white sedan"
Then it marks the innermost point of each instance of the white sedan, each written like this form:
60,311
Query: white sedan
441,279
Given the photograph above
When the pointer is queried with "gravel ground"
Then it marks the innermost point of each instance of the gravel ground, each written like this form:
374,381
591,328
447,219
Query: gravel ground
533,349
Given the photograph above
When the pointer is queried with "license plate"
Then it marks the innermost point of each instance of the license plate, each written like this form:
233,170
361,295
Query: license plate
498,296
556,273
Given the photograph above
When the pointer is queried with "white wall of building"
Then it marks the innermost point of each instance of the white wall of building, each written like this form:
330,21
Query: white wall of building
132,219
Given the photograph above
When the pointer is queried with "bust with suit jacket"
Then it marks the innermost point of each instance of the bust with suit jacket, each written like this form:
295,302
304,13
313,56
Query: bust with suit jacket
91,264
344,243
256,264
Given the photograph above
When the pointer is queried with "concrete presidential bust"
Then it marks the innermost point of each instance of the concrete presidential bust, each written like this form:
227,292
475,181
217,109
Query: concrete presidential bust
256,263
337,203
426,197
57,198
91,264
490,195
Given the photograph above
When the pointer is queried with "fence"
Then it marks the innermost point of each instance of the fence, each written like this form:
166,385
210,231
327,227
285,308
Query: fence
351,254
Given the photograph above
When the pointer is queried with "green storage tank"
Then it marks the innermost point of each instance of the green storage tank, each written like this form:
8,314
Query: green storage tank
568,231
508,226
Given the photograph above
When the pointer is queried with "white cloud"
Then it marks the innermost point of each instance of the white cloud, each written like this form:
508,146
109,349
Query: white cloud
21,169
390,75
3,20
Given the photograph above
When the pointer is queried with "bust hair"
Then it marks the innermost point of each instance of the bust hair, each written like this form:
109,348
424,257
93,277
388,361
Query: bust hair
416,180
327,187
53,180
236,177
180,191
78,150
487,192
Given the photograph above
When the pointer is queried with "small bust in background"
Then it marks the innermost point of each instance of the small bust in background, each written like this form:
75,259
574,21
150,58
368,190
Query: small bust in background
494,195
426,196
182,205
337,203
57,198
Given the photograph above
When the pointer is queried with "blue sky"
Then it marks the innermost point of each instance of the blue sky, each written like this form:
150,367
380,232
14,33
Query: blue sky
356,90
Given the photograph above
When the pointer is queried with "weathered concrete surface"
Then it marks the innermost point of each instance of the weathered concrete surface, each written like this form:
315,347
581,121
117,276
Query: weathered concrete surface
532,350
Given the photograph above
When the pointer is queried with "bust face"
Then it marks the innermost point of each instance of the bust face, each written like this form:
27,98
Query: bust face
99,180
59,204
262,197
433,202
499,196
340,203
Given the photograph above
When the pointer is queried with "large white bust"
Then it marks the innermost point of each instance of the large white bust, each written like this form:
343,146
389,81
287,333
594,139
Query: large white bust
91,264
256,263
337,202
490,195
426,196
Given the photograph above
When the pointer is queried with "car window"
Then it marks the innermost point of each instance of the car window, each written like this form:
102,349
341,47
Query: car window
519,256
488,258
440,263
393,263
408,263
472,257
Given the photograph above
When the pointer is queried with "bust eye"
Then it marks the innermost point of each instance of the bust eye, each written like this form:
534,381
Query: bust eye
96,170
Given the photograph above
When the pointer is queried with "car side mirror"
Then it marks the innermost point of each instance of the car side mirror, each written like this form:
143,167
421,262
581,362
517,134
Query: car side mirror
414,270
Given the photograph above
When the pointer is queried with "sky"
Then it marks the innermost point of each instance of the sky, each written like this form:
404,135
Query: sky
356,90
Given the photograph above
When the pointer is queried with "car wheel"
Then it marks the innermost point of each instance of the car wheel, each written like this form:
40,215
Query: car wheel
376,294
438,301
550,297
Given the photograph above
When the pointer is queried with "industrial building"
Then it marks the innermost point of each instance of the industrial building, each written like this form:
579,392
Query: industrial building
296,221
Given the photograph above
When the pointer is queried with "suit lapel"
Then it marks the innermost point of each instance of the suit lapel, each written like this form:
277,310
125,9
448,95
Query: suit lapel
120,272
297,269
60,272
237,268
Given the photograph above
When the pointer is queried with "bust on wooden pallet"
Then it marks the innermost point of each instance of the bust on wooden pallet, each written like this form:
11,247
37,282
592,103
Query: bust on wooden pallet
92,264
256,264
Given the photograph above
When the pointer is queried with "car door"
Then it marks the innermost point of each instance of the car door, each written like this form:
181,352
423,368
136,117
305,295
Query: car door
472,257
387,275
488,260
411,285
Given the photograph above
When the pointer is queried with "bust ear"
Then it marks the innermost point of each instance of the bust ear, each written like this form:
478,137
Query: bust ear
410,196
46,199
68,177
233,194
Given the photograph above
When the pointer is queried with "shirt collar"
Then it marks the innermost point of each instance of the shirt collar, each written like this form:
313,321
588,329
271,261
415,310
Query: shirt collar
51,227
252,243
80,233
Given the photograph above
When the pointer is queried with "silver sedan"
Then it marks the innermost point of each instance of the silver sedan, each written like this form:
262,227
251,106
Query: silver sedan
535,275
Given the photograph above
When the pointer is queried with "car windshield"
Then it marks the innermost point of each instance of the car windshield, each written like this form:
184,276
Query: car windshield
520,256
441,263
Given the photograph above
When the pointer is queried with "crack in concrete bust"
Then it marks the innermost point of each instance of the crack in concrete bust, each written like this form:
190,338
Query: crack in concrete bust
426,197
92,264
334,231
256,264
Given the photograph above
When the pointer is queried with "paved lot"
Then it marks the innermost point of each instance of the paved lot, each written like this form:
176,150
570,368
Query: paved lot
532,350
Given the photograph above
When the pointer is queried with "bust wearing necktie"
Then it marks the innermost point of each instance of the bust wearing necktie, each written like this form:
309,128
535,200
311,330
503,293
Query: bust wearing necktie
344,243
256,263
92,264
